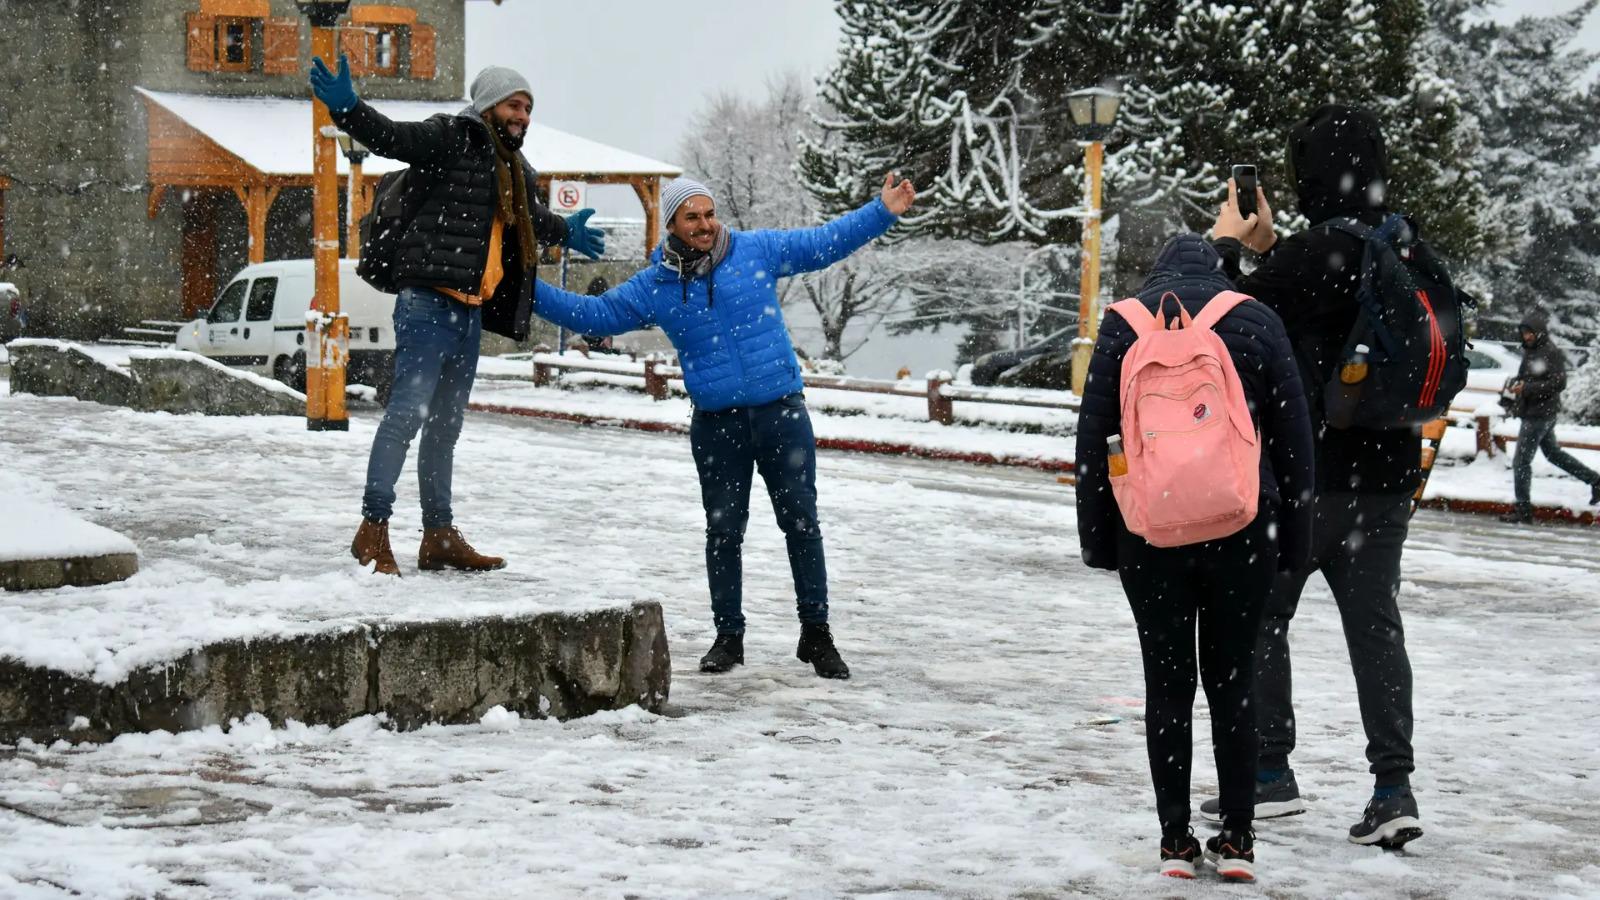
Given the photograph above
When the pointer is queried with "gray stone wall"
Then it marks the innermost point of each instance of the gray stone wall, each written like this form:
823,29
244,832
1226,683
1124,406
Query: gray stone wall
73,141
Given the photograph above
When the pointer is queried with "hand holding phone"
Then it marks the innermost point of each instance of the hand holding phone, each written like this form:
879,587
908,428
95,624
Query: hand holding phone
1244,180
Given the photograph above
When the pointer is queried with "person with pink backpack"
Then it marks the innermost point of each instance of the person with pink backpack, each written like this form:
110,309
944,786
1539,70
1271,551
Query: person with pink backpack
1194,483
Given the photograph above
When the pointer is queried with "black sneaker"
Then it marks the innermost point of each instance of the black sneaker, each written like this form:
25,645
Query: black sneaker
725,653
1179,854
1233,853
1389,822
1594,494
1274,799
816,647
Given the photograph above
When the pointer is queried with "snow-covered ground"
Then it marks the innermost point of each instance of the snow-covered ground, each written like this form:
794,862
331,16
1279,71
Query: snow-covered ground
990,743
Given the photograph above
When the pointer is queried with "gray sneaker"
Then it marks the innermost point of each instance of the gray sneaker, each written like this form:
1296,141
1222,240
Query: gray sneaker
1389,823
1274,799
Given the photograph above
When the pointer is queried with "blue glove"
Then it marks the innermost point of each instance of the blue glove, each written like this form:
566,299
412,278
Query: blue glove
591,242
334,90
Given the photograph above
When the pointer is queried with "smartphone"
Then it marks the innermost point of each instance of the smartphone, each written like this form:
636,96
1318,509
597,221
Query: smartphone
1244,179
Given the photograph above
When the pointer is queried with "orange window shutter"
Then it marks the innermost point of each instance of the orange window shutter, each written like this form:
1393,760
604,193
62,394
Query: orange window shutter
202,42
356,42
424,55
281,46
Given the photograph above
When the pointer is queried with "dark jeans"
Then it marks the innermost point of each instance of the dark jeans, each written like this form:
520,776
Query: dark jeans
1536,435
435,360
1356,544
1223,585
775,439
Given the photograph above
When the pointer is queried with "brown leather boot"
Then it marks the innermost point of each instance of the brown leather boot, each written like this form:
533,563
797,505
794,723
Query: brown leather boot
446,547
372,546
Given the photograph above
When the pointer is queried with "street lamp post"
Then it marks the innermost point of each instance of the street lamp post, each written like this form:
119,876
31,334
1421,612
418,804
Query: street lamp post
1094,111
327,329
355,193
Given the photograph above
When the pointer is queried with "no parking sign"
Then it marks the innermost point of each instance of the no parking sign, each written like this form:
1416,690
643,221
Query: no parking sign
566,196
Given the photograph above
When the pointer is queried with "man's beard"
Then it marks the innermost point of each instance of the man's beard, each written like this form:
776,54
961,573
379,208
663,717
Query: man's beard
513,142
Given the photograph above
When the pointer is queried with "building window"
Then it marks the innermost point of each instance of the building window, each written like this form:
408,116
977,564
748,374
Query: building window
233,44
386,50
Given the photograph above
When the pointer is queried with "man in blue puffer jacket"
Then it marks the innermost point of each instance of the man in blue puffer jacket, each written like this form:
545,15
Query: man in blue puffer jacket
714,292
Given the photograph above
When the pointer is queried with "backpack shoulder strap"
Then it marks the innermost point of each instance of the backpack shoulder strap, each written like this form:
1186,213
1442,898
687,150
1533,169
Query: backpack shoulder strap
1138,318
1219,306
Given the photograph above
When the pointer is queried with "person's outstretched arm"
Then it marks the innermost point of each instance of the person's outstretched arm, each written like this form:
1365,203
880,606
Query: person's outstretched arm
810,249
625,307
416,143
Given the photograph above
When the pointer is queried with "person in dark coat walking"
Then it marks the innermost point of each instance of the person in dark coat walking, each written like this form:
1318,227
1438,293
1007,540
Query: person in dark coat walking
467,261
1222,584
1536,390
1365,478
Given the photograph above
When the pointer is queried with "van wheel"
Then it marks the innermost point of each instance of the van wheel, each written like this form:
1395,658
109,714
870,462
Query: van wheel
291,371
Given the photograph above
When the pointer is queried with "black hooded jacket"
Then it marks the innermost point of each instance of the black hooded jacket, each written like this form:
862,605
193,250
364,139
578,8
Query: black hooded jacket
447,244
1543,372
1309,279
1255,338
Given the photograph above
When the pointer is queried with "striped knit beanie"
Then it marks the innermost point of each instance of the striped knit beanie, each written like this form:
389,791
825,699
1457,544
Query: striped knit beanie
677,191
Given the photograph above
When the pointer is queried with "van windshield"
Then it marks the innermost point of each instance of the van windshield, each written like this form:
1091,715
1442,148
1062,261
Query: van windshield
230,304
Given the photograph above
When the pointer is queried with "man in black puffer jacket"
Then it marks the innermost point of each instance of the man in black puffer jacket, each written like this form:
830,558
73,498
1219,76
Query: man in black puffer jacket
467,261
1365,478
1222,584
1537,388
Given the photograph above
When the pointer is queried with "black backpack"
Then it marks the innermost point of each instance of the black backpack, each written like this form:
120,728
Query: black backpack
395,204
1410,323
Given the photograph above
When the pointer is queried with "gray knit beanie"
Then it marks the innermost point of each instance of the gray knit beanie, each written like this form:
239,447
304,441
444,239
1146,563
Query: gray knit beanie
496,83
679,190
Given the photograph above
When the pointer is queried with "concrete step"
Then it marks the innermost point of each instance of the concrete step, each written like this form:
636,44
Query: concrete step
448,671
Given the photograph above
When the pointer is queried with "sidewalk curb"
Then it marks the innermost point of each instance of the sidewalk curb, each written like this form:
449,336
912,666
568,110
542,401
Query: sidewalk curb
1445,504
850,444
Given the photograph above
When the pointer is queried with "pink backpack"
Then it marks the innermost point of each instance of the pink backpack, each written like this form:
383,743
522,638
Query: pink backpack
1194,458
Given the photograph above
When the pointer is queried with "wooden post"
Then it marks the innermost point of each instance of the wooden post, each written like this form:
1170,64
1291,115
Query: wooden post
1486,435
543,374
256,201
941,409
327,336
648,190
655,384
1089,283
355,208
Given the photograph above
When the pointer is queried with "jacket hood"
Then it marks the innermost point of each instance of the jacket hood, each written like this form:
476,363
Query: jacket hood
1339,163
1536,321
1187,257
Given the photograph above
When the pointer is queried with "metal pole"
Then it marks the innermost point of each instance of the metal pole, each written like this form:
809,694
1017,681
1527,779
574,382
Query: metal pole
327,333
353,211
561,333
1089,284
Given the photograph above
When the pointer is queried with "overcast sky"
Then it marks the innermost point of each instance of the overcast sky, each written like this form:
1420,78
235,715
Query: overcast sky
628,72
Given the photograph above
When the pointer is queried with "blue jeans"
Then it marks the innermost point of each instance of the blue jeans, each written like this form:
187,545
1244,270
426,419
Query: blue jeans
1536,435
435,360
775,439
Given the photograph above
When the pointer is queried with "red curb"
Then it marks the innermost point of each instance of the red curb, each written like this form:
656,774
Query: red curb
1496,508
848,444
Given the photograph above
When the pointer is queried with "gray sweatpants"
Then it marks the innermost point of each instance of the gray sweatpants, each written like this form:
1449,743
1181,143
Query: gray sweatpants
1356,544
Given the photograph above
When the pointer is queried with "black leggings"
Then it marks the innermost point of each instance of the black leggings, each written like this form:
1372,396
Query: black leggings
1224,584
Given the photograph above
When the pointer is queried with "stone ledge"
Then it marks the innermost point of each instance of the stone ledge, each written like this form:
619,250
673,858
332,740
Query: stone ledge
558,665
77,571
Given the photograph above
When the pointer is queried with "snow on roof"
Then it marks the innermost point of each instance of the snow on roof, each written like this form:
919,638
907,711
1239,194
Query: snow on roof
271,135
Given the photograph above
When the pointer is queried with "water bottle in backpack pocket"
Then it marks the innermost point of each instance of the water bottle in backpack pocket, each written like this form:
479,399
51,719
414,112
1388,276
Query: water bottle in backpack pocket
1192,455
1405,359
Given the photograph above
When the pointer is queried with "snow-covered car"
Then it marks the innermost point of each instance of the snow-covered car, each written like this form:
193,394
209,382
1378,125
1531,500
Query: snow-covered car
1489,364
259,323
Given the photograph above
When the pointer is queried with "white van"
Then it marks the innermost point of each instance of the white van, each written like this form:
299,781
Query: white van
259,323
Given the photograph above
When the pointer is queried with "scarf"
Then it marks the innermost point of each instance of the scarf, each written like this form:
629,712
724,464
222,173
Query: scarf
691,263
513,191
